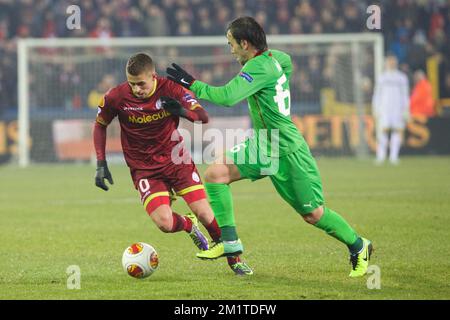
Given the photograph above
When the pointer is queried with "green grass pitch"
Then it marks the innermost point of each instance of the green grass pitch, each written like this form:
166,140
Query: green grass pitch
53,217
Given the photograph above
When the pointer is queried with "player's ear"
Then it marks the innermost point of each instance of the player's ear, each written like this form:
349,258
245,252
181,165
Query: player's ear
244,44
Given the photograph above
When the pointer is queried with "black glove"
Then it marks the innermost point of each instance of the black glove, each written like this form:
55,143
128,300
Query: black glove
173,106
101,174
180,76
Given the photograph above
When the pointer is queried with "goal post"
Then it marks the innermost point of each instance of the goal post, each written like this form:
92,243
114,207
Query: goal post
55,77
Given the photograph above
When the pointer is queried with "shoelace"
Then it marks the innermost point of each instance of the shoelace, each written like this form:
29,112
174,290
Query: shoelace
354,260
241,267
197,241
215,244
196,238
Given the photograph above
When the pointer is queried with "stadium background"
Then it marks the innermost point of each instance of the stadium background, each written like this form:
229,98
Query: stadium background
415,31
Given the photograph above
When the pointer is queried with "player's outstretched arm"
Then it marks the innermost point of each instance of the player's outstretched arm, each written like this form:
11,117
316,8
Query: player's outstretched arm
180,76
251,79
102,171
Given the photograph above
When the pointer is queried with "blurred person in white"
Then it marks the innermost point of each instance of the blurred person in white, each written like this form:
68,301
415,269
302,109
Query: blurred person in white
390,108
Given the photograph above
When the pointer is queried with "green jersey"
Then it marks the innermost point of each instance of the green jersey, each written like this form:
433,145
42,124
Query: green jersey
264,81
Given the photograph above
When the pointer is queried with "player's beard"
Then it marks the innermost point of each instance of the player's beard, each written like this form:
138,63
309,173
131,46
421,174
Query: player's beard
241,60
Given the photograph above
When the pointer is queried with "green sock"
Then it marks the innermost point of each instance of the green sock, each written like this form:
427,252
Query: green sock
222,204
336,226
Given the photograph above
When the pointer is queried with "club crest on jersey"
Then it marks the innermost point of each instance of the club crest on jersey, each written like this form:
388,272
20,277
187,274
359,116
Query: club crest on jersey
195,177
246,76
158,104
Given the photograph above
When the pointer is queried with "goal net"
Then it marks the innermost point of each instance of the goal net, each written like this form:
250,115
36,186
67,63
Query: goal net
62,80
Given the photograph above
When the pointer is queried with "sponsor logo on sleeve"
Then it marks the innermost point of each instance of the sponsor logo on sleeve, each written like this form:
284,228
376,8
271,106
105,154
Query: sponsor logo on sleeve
188,98
101,121
246,76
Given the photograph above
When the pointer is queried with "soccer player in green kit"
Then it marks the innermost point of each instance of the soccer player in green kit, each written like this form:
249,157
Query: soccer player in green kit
264,82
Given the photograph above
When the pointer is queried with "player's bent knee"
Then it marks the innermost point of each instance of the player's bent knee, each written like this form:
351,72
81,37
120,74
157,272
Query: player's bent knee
222,173
217,173
165,228
162,217
202,210
163,222
314,216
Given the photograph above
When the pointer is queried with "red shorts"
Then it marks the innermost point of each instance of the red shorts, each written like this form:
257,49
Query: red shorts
154,185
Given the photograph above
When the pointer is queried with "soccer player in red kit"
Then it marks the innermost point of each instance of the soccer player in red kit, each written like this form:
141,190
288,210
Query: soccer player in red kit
149,108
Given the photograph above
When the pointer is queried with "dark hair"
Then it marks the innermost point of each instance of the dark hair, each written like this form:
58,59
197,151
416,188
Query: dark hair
246,28
139,63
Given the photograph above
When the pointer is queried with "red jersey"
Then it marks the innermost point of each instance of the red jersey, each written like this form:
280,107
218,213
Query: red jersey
147,130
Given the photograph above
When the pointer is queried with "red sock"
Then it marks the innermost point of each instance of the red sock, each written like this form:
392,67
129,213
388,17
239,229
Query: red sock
181,223
233,259
214,230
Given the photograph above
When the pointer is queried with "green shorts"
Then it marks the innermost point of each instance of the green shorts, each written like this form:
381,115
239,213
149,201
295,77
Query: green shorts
295,176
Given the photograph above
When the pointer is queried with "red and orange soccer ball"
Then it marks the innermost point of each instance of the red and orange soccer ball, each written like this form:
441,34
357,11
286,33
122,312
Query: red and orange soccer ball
140,260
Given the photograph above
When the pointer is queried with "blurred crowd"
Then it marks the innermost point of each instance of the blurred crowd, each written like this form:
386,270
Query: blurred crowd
414,29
